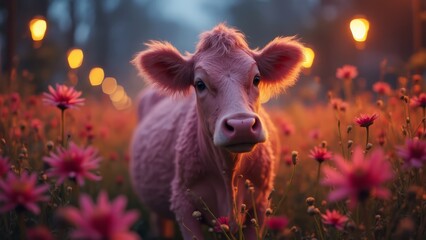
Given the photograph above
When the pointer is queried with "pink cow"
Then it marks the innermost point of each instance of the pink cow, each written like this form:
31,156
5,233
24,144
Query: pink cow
201,147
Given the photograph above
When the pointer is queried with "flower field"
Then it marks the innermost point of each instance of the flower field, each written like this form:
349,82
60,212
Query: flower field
351,167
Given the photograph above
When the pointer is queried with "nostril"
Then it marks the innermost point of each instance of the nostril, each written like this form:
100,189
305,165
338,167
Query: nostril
228,126
255,125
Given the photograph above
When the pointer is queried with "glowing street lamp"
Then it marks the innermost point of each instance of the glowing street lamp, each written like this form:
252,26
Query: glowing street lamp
96,76
309,57
38,27
75,58
359,28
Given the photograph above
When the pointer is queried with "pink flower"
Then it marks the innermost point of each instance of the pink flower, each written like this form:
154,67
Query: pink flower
286,128
74,163
413,153
347,72
315,134
36,124
101,219
276,223
21,192
4,165
334,219
359,179
419,101
320,154
382,88
339,104
221,224
15,102
39,233
63,97
365,120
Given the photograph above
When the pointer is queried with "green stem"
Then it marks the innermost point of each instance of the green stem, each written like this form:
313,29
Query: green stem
255,215
76,191
318,178
424,122
22,227
366,141
340,137
286,190
318,228
63,127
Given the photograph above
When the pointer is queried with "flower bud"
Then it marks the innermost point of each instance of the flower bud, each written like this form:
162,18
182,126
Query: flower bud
294,157
350,142
349,129
268,212
310,201
243,208
196,215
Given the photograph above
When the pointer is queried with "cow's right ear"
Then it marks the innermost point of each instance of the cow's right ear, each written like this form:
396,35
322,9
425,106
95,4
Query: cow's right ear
163,65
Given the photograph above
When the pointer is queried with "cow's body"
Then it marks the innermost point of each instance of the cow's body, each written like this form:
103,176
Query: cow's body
193,151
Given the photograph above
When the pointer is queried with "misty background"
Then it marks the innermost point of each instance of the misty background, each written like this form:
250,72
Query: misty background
111,32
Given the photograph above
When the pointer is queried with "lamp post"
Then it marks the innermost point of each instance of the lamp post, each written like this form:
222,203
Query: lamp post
359,27
38,27
309,59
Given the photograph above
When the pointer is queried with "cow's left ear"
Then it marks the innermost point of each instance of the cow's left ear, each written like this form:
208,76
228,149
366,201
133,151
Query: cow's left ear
279,63
162,65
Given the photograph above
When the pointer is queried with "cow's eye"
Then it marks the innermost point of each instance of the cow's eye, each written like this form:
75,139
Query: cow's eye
200,85
256,80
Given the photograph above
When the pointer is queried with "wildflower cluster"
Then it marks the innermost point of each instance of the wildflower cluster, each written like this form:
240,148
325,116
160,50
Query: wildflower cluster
41,177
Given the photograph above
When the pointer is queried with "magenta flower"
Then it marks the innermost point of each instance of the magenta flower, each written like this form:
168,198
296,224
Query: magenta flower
4,165
320,154
102,219
413,153
382,88
334,219
21,193
359,179
74,163
63,97
222,223
365,120
419,101
347,72
277,224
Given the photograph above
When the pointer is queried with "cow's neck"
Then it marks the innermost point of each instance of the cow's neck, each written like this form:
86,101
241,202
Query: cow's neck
218,159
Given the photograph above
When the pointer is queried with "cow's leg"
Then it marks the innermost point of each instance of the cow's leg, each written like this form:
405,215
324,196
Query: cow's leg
189,226
183,208
161,227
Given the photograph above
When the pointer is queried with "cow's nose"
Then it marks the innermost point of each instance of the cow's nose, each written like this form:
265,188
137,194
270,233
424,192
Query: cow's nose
245,126
241,128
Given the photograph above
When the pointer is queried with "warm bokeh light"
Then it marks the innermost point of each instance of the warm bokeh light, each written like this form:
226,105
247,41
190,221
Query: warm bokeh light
109,85
309,57
118,94
96,76
38,27
359,28
123,104
75,58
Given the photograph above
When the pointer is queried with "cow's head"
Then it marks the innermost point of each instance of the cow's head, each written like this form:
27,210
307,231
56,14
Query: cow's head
230,81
